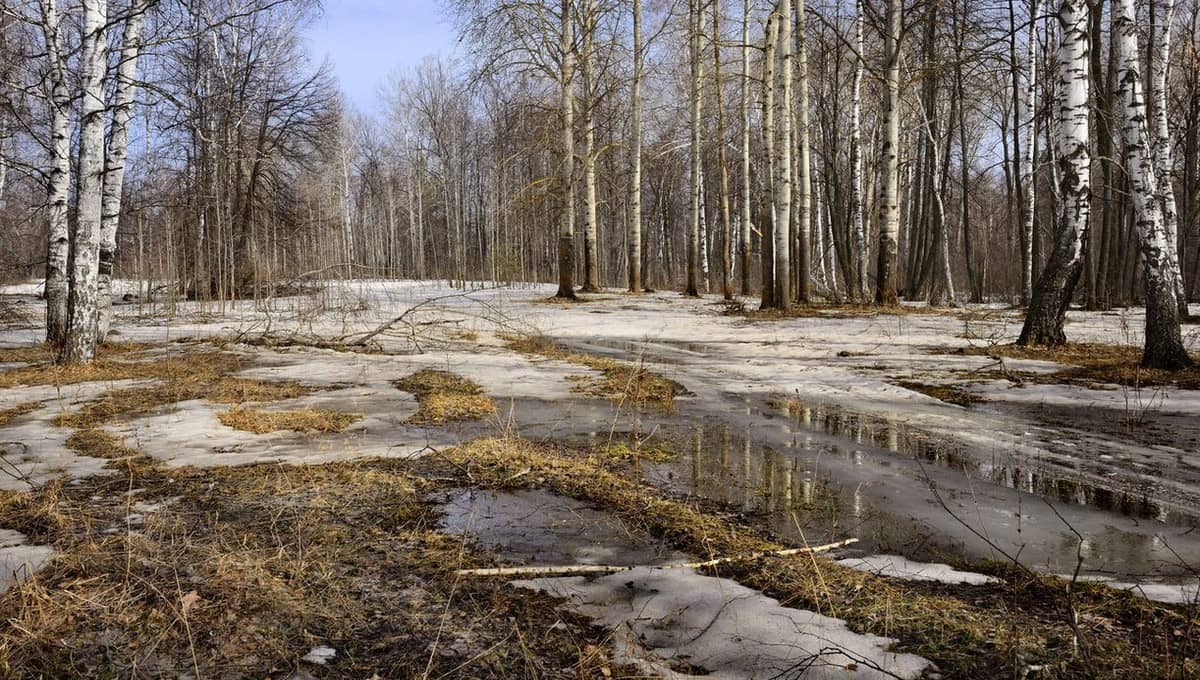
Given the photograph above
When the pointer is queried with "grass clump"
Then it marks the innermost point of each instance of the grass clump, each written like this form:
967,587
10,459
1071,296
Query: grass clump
98,443
950,394
1088,364
619,382
445,397
7,415
259,421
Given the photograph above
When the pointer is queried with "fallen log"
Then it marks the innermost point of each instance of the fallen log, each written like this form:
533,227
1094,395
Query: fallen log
600,569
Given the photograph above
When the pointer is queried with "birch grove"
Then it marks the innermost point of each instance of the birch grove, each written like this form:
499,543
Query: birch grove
803,153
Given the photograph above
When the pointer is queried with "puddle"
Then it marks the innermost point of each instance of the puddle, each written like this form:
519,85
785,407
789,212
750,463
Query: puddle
543,528
671,622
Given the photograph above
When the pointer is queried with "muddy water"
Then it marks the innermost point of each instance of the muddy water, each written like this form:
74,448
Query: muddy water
821,472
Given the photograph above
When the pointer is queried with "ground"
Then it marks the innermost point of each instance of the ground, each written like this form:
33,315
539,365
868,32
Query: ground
294,488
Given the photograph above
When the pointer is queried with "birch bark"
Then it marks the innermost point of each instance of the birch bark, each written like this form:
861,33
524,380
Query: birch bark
58,184
889,205
1047,308
83,321
1164,343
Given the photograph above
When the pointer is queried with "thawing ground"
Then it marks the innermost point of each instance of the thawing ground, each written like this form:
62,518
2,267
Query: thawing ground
772,415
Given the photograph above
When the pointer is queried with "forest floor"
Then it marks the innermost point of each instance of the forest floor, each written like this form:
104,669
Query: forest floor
294,488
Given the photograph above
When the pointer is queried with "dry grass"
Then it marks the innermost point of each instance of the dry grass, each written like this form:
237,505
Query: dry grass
445,397
243,570
1090,363
619,382
260,421
969,631
99,443
950,394
7,415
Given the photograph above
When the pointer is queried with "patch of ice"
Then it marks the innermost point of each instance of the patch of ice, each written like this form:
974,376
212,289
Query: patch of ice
668,616
18,560
896,566
319,655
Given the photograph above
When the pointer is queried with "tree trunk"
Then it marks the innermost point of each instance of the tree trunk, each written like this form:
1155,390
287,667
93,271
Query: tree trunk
1047,309
635,152
591,254
860,284
804,240
1164,343
783,152
746,225
83,324
696,16
1028,180
889,207
566,237
118,151
58,180
722,167
1161,14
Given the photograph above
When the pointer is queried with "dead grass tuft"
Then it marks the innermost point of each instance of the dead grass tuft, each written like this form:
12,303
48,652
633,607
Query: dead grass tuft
260,421
619,382
1089,364
7,415
445,397
99,443
110,366
950,394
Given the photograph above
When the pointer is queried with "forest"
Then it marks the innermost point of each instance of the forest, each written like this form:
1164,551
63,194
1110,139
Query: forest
634,338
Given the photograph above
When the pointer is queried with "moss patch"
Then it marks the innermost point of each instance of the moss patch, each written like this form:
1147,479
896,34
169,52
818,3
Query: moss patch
260,421
619,382
445,397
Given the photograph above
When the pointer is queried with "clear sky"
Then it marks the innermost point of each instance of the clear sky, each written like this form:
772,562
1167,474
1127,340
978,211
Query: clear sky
367,39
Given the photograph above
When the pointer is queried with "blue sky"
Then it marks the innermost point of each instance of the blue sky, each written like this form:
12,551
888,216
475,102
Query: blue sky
367,39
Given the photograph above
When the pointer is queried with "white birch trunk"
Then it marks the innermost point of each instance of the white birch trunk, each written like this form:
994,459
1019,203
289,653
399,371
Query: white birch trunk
1164,345
804,163
1027,171
1047,309
1162,13
83,324
783,148
591,279
858,287
635,153
697,75
58,184
745,221
566,238
771,45
889,206
116,156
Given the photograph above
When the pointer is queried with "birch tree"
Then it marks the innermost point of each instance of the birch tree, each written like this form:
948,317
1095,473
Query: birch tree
1162,13
744,226
695,30
58,177
566,239
1047,309
635,158
116,155
722,167
889,204
860,284
591,255
1163,343
804,162
82,301
783,150
1027,161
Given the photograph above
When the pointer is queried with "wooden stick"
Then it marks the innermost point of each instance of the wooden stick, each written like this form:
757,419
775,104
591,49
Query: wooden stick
577,569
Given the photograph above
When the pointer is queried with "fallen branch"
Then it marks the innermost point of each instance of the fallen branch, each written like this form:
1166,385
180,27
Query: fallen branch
594,569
